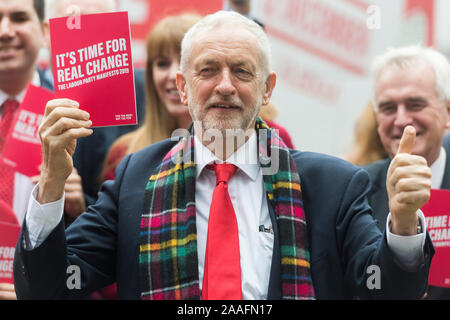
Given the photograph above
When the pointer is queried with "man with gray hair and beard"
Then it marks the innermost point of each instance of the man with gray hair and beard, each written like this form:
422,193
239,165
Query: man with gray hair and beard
201,217
412,88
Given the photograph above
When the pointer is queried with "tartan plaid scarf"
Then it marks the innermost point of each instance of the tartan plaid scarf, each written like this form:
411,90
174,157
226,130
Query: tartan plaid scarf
168,262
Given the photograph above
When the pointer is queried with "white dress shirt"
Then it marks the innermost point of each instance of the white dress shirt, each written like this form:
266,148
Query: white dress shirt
22,183
246,189
438,170
250,206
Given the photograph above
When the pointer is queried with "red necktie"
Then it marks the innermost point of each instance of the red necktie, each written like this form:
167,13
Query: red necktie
9,108
222,272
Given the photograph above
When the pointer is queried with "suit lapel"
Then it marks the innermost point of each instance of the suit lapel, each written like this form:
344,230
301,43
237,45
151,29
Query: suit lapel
378,199
446,181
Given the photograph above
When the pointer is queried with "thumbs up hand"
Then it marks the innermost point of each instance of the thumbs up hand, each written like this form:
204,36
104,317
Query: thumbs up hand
408,185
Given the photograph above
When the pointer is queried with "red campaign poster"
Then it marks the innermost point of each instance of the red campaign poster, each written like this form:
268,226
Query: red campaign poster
92,64
9,234
22,150
437,215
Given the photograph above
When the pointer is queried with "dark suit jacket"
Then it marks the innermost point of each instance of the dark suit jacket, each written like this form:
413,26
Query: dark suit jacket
103,242
446,142
91,151
378,200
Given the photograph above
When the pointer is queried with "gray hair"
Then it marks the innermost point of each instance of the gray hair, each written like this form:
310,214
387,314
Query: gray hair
52,5
218,19
406,57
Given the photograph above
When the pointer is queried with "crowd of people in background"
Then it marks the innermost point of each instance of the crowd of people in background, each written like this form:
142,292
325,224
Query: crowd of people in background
412,88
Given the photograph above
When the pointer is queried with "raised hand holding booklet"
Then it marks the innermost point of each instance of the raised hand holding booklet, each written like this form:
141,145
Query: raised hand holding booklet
92,64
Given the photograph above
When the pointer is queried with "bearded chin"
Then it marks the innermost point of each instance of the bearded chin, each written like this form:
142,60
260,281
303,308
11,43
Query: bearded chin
227,125
233,121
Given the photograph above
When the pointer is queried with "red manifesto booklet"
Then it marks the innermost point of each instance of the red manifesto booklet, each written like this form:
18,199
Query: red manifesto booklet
92,64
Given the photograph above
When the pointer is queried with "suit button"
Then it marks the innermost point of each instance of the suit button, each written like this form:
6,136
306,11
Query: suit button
24,271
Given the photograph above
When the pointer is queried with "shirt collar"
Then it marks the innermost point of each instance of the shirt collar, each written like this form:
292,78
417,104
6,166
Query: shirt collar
245,158
4,96
438,170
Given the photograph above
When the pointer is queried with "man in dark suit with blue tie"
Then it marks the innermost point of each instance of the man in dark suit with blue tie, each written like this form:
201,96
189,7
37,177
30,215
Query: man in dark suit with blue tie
298,224
411,89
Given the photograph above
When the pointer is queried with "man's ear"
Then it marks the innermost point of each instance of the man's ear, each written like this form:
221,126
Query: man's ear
182,88
268,87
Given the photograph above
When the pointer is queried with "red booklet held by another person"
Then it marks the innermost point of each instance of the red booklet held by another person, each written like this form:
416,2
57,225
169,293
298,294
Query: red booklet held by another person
9,234
437,215
22,150
92,64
